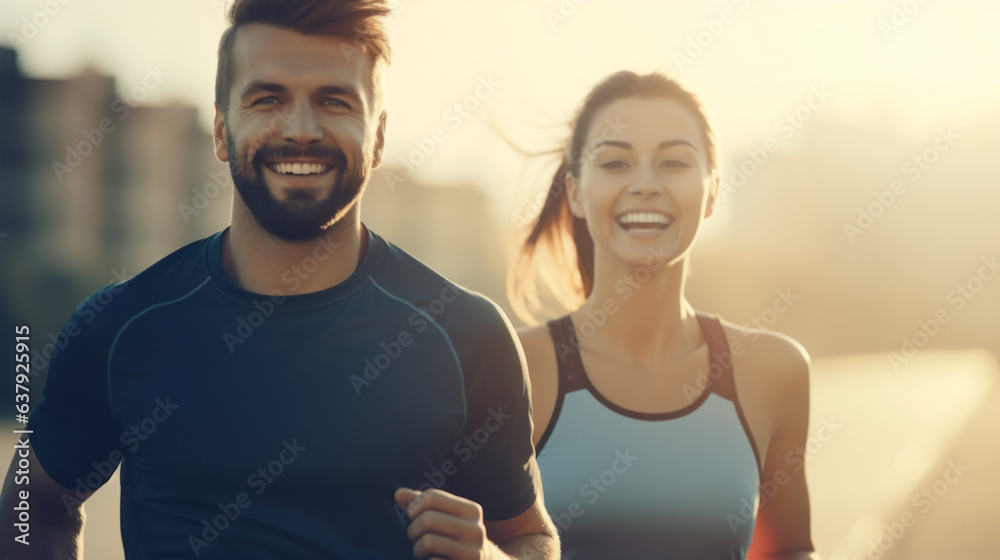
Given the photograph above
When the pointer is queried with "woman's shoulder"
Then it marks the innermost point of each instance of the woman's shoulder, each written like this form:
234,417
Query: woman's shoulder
771,373
543,373
768,358
539,349
772,348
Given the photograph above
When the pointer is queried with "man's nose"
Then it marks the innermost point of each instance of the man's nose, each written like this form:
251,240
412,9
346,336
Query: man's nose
302,125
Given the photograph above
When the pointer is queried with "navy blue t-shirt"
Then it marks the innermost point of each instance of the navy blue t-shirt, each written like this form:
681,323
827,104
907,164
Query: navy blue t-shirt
271,426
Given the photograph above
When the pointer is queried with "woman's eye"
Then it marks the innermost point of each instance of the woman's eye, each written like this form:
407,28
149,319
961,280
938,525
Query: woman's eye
613,165
673,164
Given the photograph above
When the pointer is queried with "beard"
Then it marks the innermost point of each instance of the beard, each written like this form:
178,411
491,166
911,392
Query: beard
301,216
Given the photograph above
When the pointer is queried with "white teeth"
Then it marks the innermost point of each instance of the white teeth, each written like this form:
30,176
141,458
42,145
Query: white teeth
299,168
644,218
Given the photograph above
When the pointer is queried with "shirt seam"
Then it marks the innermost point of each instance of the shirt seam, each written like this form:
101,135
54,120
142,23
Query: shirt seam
132,319
447,338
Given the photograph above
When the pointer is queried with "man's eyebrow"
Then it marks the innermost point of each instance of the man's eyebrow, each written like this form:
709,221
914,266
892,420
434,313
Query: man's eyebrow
346,91
260,86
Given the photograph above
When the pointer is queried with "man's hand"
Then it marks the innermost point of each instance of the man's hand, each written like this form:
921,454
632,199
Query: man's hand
445,526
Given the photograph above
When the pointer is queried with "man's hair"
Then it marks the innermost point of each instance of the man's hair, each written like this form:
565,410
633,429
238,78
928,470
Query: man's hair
359,22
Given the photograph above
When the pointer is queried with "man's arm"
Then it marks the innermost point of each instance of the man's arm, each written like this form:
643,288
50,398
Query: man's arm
502,477
56,525
73,427
528,536
447,525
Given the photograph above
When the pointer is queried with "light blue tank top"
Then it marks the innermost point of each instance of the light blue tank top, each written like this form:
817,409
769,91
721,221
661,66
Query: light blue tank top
624,484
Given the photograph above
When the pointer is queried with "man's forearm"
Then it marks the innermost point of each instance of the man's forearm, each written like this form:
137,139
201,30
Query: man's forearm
45,543
536,546
54,526
54,534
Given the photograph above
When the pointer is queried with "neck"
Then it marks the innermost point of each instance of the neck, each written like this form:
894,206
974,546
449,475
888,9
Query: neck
259,262
648,317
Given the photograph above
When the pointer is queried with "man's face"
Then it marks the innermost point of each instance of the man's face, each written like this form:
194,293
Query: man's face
301,134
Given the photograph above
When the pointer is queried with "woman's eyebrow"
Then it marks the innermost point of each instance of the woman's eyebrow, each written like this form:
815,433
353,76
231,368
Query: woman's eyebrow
625,145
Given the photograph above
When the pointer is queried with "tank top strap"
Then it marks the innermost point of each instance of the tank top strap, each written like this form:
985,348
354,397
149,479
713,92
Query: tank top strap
720,368
720,374
567,346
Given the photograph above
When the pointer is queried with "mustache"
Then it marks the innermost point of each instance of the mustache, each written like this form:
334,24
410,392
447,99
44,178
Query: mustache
288,151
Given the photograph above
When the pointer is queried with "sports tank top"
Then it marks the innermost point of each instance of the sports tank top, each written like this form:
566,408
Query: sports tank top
624,484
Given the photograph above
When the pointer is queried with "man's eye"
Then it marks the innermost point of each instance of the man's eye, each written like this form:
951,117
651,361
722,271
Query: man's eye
334,102
265,100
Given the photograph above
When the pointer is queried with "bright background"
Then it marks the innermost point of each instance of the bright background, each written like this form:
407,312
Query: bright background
898,72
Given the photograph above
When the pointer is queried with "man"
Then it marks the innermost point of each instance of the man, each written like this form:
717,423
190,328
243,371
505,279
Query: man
293,386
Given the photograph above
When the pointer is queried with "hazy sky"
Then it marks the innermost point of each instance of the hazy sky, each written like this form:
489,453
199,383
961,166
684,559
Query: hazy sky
752,61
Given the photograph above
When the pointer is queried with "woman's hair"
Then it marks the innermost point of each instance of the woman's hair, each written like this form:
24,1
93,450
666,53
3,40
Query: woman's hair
558,252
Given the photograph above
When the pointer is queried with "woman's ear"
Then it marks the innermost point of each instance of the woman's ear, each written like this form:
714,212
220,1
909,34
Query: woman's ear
573,196
713,194
379,141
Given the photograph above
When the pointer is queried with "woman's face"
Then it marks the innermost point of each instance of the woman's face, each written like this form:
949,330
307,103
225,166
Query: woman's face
645,183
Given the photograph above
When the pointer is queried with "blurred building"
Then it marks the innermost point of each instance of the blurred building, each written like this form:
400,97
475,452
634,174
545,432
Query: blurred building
92,182
91,188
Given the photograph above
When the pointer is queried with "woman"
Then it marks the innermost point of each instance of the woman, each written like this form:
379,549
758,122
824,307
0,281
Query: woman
655,425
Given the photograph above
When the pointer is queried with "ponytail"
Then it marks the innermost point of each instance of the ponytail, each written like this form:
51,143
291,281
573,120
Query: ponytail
556,258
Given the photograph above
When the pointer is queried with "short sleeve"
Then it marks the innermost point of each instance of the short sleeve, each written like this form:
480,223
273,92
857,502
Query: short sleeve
496,466
75,437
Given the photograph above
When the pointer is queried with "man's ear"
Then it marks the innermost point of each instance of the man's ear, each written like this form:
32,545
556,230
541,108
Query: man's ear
379,141
573,196
219,136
